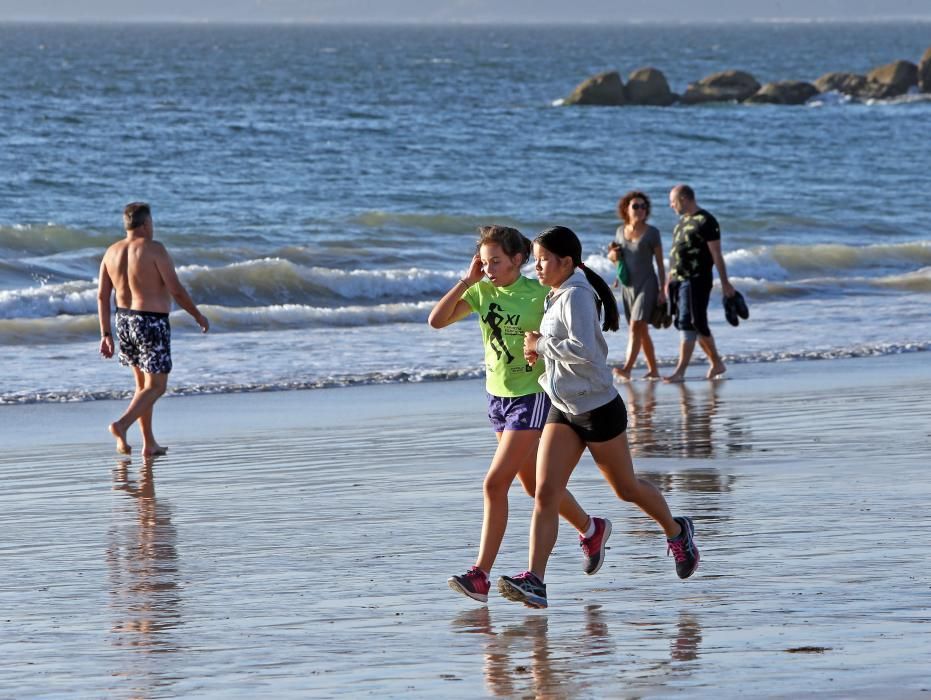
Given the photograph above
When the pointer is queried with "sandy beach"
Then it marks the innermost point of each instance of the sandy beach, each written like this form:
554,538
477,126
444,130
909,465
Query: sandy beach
297,544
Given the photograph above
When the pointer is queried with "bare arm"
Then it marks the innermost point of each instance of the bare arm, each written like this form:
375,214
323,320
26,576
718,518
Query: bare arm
166,269
451,307
104,291
614,255
715,248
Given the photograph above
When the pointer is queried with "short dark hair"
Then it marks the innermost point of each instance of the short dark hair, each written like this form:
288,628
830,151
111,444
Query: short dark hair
686,192
625,201
135,214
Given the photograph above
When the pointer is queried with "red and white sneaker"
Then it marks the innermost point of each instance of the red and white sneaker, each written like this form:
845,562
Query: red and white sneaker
593,548
473,583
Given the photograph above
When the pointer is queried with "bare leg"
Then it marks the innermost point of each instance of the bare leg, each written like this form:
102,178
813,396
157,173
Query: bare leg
516,453
116,429
717,364
649,354
559,452
614,460
634,335
150,446
569,508
686,348
515,447
154,386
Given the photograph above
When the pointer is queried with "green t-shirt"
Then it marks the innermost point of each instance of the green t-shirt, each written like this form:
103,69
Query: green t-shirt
505,313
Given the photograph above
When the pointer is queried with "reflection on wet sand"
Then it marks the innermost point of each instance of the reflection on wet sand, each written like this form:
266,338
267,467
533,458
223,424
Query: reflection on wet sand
686,644
699,425
144,589
520,660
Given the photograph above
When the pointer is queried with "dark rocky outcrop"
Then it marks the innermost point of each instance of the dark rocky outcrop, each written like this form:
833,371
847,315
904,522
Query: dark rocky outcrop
725,86
924,72
784,92
602,89
844,83
648,86
899,77
854,85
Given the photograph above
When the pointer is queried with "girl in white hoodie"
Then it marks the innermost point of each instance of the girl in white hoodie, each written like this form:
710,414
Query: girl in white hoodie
586,411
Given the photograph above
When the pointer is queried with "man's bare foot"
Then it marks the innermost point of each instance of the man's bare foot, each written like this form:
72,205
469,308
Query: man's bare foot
652,376
154,450
675,378
716,371
121,445
621,375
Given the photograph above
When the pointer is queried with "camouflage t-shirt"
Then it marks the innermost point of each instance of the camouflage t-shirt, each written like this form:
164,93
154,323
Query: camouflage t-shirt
689,256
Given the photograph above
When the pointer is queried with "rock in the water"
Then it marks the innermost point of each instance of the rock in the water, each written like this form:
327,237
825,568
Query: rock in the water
785,92
924,72
601,89
899,76
648,86
854,85
844,83
721,87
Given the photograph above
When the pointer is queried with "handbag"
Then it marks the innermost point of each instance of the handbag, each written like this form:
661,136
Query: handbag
623,274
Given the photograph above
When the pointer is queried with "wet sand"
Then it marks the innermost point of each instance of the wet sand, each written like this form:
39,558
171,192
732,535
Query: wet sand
298,545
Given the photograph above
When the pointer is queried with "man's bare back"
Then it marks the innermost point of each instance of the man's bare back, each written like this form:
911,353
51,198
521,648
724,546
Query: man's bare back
133,266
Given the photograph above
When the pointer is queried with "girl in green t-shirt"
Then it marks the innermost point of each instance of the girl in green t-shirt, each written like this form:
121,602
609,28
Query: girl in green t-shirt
508,305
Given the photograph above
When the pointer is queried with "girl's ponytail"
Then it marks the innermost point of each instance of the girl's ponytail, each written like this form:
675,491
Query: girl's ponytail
612,317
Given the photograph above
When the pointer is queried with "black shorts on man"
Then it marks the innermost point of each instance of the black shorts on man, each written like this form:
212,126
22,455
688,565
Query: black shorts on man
145,340
691,304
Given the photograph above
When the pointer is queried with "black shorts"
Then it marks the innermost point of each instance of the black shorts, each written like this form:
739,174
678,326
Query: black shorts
599,425
691,299
145,340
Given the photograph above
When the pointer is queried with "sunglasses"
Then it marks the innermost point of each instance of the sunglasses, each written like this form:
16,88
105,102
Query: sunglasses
638,207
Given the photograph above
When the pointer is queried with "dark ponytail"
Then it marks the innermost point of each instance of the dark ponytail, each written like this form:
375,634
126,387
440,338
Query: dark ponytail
563,242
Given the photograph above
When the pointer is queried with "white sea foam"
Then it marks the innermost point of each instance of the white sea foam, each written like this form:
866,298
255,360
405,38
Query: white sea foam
49,300
272,280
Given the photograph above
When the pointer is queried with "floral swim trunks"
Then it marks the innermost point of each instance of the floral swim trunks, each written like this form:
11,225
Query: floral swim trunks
145,340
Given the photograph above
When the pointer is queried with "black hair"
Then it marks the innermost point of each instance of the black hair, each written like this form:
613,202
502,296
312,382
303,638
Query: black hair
563,242
512,241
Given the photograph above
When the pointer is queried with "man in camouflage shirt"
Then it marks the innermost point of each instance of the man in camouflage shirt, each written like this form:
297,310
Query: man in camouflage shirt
696,250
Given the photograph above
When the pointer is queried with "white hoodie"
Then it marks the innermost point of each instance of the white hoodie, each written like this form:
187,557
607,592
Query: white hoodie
573,348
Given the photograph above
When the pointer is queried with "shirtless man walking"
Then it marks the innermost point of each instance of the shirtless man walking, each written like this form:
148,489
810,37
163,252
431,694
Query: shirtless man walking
143,276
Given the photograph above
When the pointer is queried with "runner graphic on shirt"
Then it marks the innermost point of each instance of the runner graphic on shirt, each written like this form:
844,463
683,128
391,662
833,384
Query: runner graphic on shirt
496,341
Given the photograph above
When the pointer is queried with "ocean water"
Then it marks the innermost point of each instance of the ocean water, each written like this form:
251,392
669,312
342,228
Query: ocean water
320,187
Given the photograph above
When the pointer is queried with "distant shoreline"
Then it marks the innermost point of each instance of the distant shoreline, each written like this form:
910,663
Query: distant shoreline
456,24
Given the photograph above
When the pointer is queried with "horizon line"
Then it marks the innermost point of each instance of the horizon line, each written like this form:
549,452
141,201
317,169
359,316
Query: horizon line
310,21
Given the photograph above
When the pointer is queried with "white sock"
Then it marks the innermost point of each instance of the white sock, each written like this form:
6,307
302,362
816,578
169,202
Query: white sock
590,530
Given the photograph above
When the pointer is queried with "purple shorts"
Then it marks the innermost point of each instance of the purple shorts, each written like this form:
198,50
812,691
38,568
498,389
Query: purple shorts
518,412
